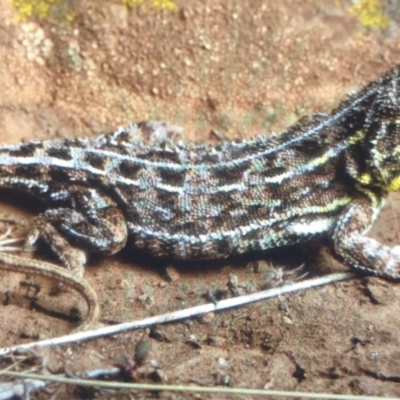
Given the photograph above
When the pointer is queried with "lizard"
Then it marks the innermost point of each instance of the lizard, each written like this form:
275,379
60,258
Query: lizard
326,176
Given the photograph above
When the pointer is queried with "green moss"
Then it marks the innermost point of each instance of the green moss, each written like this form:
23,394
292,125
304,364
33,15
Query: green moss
157,4
370,14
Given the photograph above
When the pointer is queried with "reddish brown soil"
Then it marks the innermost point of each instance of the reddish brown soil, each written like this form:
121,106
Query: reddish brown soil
241,67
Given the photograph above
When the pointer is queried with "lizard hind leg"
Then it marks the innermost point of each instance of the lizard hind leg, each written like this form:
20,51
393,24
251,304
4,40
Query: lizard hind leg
89,226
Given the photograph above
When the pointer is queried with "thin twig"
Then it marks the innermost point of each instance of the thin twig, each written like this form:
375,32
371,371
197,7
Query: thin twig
179,315
191,388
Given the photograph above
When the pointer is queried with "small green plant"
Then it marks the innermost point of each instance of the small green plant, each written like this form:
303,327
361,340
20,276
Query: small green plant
30,8
44,8
370,14
157,4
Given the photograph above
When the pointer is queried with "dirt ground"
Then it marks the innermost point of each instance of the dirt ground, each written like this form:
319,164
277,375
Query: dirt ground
241,67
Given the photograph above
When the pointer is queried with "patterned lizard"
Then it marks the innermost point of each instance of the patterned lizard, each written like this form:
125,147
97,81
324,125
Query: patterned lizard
326,176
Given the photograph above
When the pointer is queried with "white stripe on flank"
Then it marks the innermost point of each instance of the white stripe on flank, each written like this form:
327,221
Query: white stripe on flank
240,231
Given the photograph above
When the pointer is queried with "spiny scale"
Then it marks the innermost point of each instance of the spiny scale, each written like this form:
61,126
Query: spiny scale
327,175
